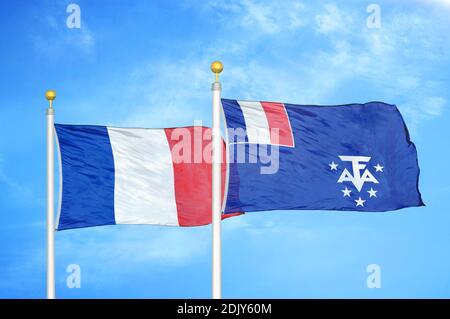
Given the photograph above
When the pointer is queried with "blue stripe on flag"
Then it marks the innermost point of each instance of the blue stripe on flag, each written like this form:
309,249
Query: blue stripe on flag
88,180
234,117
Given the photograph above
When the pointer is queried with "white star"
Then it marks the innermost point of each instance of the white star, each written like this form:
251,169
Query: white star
372,192
359,202
333,166
346,192
379,168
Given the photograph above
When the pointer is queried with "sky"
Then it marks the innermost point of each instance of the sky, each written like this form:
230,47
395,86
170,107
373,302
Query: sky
146,63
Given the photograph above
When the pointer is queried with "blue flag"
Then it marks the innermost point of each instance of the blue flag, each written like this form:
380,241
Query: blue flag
356,157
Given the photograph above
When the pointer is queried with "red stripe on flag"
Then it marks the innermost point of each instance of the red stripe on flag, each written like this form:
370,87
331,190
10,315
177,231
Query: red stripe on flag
278,123
193,173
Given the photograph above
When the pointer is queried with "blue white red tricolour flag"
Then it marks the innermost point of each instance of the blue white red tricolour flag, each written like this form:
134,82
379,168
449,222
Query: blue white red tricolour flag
346,157
134,176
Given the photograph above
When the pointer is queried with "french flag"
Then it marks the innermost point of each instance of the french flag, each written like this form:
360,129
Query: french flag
115,175
263,122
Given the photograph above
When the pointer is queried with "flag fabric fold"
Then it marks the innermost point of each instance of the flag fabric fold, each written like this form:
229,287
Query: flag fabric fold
356,157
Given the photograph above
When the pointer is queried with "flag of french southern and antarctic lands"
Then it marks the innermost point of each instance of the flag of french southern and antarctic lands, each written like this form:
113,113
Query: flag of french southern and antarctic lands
135,176
349,157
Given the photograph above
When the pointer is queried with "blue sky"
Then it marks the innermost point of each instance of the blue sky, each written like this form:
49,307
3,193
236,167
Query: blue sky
146,63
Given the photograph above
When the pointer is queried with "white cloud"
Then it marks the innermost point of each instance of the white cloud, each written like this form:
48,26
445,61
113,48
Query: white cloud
58,39
392,59
423,108
444,3
165,94
389,61
333,20
134,244
272,17
266,17
434,105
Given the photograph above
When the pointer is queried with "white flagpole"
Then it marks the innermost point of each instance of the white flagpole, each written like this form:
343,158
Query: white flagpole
50,95
216,68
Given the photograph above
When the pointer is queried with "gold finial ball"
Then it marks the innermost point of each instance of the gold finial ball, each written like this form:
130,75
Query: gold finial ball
216,67
50,95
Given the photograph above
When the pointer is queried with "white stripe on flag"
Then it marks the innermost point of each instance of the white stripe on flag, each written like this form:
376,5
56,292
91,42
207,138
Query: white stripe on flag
256,123
144,180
